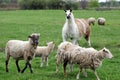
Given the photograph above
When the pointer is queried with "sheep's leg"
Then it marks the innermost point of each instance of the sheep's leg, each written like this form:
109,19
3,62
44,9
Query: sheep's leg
85,73
64,66
27,63
17,66
57,64
24,67
30,67
70,66
78,75
46,58
42,60
96,75
6,63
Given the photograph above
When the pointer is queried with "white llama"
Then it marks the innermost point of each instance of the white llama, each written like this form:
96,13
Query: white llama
75,28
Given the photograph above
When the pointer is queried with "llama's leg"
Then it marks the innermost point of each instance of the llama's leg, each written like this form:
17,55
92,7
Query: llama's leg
18,68
96,75
75,41
78,75
64,66
6,62
42,61
87,37
64,37
85,73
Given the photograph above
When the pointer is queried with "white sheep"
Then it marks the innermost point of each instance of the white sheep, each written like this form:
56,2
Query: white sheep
20,50
62,54
91,20
101,21
44,51
89,58
84,57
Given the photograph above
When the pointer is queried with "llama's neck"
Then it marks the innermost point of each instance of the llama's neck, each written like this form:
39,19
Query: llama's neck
100,55
71,20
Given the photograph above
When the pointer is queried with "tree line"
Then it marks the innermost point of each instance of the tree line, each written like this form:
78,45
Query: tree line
55,4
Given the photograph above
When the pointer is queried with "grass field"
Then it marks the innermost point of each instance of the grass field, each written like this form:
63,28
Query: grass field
21,23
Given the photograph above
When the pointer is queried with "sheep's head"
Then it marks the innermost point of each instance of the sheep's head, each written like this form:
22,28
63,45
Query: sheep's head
107,53
51,45
34,39
68,13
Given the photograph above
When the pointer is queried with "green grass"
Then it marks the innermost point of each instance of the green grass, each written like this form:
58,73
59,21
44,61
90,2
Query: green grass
21,23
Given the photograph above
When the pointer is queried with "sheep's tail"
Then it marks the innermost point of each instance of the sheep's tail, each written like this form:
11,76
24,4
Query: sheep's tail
7,52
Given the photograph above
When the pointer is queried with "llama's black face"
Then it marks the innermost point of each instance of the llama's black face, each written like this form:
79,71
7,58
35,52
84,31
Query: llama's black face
68,13
34,39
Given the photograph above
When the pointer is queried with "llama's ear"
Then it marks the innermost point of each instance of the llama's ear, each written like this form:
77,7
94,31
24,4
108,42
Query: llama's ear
70,10
64,10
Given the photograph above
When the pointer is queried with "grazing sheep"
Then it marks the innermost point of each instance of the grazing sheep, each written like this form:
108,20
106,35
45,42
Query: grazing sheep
91,20
101,21
20,50
44,51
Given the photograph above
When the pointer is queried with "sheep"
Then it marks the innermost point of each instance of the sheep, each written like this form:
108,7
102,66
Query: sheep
101,21
84,57
89,58
22,50
91,20
44,51
62,54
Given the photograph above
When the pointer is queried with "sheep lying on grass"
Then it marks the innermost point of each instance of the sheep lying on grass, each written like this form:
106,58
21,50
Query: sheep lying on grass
44,51
84,57
91,20
22,50
101,21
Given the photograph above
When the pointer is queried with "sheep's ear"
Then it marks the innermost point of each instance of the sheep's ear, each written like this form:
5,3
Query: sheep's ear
52,42
70,10
65,10
38,34
29,36
104,49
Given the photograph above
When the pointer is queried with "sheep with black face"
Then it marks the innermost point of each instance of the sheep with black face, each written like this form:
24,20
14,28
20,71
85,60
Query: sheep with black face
20,50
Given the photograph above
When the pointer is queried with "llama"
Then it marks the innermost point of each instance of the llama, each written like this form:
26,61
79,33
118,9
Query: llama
75,28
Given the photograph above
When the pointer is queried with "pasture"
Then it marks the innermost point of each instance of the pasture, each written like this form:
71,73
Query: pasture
21,23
